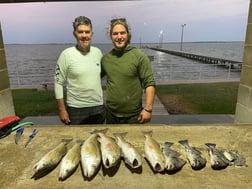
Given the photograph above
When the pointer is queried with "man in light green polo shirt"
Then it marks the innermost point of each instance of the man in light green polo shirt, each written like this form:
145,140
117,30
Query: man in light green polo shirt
79,68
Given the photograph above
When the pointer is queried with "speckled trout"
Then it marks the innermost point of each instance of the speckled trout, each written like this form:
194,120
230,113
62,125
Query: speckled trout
173,162
153,153
129,152
111,152
70,161
193,155
90,155
52,158
217,158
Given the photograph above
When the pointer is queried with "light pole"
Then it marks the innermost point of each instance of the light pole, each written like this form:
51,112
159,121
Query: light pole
181,43
161,39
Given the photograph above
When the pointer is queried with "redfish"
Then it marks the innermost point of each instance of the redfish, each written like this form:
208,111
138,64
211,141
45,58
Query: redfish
153,153
111,152
52,158
90,155
70,161
129,152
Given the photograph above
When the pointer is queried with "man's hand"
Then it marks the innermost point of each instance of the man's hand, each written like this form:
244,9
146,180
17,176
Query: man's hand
145,116
64,117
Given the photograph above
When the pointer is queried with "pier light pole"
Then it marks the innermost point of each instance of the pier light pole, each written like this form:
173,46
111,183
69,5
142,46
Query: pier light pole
182,33
161,39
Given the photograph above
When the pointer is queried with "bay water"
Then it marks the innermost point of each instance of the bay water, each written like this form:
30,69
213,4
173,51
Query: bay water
31,64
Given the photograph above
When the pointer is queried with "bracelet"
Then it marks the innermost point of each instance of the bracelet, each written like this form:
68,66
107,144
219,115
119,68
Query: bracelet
147,110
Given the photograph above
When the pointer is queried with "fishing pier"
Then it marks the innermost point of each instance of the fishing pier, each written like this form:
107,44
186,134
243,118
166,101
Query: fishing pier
230,64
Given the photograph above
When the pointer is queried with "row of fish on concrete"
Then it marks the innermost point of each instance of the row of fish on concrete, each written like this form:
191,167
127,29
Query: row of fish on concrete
100,149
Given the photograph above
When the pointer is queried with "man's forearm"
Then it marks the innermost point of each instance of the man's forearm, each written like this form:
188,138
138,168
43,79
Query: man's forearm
150,95
61,105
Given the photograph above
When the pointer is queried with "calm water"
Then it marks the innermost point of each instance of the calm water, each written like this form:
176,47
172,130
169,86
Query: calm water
29,65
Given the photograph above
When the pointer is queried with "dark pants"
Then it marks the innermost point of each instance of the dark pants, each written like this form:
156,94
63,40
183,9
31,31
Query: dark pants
87,115
111,119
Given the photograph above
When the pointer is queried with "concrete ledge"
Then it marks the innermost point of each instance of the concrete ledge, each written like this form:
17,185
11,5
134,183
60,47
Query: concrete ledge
156,119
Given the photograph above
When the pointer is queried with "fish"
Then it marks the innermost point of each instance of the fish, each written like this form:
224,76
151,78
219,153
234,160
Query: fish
129,153
52,158
153,153
90,155
194,156
217,158
173,162
110,151
237,159
70,161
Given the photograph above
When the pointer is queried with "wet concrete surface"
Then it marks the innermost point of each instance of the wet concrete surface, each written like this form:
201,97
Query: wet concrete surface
156,119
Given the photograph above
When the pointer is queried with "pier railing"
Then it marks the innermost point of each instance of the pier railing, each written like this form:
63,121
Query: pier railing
230,64
191,72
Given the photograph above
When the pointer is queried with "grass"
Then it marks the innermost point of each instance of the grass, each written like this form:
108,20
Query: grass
207,98
204,98
33,102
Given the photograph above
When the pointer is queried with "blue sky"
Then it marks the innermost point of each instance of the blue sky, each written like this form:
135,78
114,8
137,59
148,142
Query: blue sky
206,20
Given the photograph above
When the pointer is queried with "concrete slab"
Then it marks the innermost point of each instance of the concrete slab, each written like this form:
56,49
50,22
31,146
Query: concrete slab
17,162
193,119
43,120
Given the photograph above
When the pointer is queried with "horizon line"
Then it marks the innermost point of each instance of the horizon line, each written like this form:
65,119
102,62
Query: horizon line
130,43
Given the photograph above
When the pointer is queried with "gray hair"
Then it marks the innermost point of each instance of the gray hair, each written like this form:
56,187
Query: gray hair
81,20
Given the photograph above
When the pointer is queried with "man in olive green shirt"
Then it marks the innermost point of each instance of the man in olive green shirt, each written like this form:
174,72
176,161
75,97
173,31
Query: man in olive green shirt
129,74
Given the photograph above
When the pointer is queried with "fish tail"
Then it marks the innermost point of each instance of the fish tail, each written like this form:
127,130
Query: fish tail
168,144
169,152
99,131
183,142
66,140
118,135
80,141
210,145
147,133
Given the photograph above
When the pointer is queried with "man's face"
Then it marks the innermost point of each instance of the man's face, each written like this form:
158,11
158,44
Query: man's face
119,36
83,35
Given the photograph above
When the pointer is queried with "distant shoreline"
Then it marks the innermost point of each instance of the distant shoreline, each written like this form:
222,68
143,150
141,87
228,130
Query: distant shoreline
131,43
